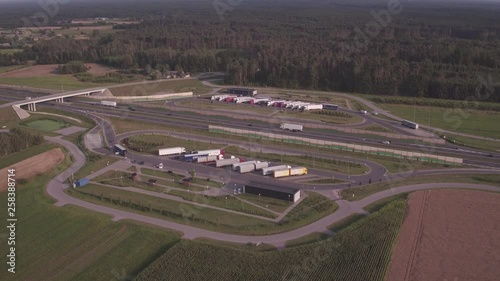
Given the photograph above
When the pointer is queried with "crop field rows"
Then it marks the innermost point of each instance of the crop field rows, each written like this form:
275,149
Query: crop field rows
360,251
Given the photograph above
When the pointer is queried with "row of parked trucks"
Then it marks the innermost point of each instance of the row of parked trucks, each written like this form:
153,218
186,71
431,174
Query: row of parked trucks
305,106
237,164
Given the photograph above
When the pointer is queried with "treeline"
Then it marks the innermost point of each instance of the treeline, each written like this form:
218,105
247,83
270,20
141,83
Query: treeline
17,140
469,103
422,52
72,67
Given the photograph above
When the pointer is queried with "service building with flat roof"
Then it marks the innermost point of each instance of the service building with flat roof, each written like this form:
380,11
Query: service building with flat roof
243,92
272,191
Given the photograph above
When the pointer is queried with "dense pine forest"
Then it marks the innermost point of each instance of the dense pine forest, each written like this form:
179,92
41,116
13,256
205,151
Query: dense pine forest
411,49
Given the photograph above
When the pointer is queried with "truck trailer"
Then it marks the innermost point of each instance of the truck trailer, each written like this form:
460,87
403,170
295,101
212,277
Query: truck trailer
226,162
312,107
296,171
242,99
246,168
210,152
261,165
171,151
259,101
236,165
330,106
108,103
81,182
270,170
218,97
209,158
292,127
193,156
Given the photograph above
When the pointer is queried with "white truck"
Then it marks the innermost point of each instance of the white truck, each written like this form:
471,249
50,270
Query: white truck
171,151
270,170
210,152
247,168
242,99
208,159
312,107
227,162
218,97
363,112
236,165
292,127
261,165
300,105
108,103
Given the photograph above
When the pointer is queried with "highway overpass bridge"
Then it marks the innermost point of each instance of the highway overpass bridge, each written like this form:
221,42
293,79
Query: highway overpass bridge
59,97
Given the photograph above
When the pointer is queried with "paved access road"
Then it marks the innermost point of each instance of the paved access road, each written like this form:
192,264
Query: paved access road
57,186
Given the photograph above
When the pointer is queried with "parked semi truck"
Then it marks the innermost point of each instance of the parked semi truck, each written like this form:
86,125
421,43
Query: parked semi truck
270,170
330,106
242,99
193,156
227,162
171,151
210,152
209,158
108,103
292,127
246,168
296,171
261,165
409,124
312,107
236,165
218,97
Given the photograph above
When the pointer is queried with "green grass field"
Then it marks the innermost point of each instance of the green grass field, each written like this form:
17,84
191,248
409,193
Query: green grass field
173,86
9,51
8,116
227,202
123,179
307,161
376,128
361,251
47,125
151,143
272,204
27,153
312,208
475,122
70,243
474,143
94,163
308,239
63,82
4,69
367,190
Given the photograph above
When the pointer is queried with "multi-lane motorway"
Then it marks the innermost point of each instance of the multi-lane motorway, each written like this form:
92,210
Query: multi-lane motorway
56,186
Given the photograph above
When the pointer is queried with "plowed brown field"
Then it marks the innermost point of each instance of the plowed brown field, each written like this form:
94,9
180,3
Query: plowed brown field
51,70
449,235
33,166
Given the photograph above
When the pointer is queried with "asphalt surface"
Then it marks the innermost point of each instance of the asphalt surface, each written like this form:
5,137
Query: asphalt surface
57,186
470,156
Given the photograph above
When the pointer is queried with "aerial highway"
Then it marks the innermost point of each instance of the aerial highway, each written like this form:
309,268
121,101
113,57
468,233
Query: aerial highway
56,188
